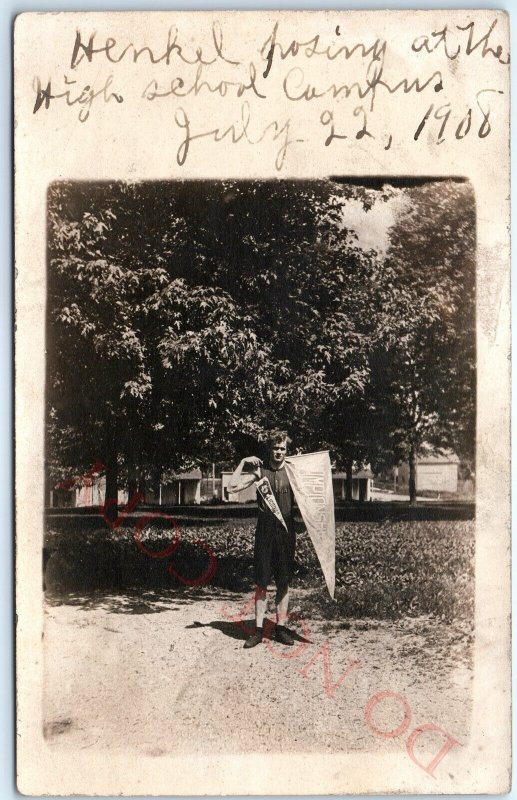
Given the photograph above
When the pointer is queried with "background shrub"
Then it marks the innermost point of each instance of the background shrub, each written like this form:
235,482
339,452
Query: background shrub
383,569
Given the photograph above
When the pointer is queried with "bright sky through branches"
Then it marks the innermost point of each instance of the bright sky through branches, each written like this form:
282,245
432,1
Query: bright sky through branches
372,227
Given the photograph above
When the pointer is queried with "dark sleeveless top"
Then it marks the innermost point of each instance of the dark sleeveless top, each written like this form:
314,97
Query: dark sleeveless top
284,497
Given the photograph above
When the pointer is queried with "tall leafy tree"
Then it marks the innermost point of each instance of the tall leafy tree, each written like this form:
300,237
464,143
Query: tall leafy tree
423,368
137,359
185,318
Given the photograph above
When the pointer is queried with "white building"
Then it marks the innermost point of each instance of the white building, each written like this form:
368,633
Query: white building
362,485
436,472
177,490
89,493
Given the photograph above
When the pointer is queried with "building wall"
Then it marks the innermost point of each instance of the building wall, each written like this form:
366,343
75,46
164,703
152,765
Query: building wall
207,489
466,488
61,498
437,477
248,495
361,488
93,494
169,494
432,477
189,493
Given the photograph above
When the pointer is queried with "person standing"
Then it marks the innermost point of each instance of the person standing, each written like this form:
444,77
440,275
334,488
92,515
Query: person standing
274,543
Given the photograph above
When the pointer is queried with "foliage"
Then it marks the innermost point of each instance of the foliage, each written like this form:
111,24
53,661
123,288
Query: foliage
184,319
180,316
423,366
383,570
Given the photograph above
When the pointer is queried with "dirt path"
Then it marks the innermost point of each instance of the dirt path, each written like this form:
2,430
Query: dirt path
165,672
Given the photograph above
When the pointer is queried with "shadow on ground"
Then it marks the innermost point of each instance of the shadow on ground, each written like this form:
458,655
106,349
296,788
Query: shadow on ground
152,601
242,628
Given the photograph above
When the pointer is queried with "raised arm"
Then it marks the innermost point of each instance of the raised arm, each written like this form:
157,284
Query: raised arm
238,482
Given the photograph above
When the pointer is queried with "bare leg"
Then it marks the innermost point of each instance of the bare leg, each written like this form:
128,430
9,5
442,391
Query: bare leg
260,606
282,604
260,610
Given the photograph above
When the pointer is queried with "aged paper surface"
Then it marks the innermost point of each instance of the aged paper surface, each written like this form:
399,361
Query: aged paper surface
114,697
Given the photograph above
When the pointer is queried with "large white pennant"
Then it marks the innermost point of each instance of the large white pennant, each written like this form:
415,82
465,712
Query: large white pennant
310,476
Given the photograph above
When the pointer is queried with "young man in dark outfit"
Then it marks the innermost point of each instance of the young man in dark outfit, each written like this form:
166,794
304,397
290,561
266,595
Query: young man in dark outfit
274,545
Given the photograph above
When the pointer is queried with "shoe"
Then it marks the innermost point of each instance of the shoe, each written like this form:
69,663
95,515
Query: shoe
283,636
254,640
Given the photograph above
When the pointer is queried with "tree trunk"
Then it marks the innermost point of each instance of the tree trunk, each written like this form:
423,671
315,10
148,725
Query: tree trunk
111,498
349,480
132,475
156,481
132,488
412,475
132,484
141,485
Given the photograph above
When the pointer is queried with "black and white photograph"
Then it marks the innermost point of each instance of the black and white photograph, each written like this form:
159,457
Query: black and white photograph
262,407
198,334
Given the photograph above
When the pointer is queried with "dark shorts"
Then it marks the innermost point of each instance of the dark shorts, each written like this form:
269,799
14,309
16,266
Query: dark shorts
274,555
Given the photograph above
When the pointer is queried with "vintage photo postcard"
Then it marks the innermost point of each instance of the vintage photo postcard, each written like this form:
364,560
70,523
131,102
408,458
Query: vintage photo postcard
262,402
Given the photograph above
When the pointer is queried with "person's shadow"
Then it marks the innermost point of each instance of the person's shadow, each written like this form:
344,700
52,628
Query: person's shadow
243,628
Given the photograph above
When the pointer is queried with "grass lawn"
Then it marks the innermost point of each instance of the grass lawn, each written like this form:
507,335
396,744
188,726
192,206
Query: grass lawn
384,570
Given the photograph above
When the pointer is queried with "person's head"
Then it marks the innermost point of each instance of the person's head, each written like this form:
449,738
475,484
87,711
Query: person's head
278,442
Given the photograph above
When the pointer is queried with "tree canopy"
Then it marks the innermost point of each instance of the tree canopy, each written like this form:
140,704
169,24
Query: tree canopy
187,318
